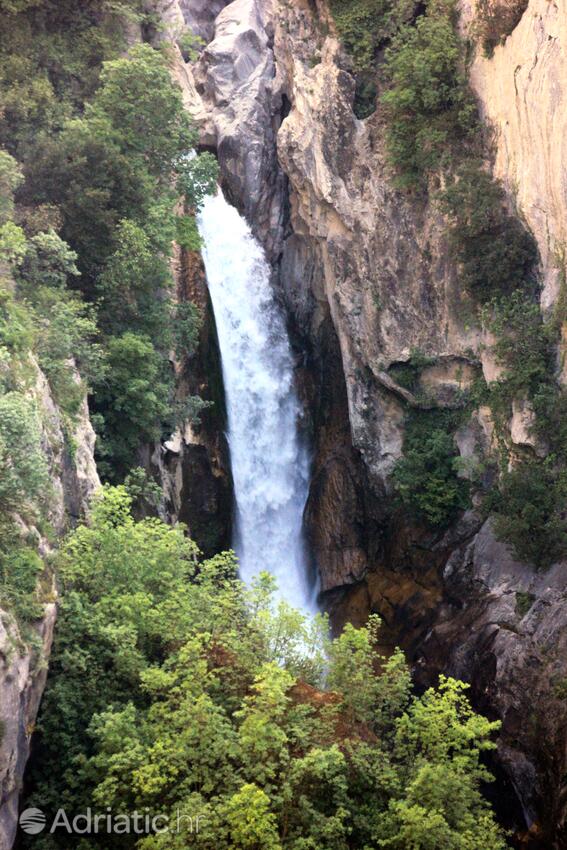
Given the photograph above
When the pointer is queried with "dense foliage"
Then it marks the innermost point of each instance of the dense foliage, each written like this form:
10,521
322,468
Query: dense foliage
429,107
426,477
175,687
495,253
104,144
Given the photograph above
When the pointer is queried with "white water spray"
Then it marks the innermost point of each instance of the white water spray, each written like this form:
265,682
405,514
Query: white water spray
269,466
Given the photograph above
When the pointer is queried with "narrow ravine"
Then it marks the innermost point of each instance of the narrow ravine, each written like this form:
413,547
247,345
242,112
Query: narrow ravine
270,465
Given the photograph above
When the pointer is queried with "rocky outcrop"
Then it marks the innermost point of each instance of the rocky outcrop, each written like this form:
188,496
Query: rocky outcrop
522,89
194,465
24,653
70,456
503,627
23,671
230,92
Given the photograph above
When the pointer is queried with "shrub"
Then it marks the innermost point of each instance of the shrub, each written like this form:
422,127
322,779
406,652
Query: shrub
497,19
133,399
426,478
10,178
49,261
530,511
20,569
495,253
24,476
522,346
429,107
363,25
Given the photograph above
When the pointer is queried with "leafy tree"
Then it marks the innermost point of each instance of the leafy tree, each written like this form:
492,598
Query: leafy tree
175,687
197,178
49,261
132,277
134,398
10,178
144,111
426,477
12,244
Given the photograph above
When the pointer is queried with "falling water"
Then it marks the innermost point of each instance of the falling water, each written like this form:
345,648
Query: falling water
269,465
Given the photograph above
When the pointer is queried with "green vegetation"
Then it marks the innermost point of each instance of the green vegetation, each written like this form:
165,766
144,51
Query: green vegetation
495,253
496,21
95,162
407,374
524,602
364,27
104,162
522,345
174,686
530,511
430,110
425,478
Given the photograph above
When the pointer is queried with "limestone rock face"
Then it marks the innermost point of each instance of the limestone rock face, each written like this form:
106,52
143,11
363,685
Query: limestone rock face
23,672
23,663
235,81
522,90
367,278
200,15
193,466
503,628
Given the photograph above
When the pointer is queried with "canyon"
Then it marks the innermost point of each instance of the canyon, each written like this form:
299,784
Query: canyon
366,278
363,273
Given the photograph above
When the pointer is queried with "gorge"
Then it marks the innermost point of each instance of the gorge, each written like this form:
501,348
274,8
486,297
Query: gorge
384,358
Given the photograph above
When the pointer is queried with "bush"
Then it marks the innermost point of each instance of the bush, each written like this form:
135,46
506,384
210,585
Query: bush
429,107
497,19
49,261
522,346
364,25
134,400
426,478
24,476
10,178
20,569
530,512
495,253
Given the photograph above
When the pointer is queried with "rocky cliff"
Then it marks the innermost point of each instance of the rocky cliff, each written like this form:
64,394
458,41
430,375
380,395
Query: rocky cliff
24,653
367,277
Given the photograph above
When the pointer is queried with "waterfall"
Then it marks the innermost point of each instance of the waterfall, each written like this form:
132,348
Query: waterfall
270,467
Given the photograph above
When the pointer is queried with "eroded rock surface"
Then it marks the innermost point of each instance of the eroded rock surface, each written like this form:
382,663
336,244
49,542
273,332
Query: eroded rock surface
367,279
23,656
522,89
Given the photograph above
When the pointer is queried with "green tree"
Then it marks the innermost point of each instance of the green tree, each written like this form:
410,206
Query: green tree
426,477
23,469
173,686
134,399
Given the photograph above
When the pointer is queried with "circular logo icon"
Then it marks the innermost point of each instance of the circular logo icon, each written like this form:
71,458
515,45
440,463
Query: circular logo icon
32,821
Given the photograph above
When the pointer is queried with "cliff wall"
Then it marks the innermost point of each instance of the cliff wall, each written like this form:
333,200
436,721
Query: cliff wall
366,273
